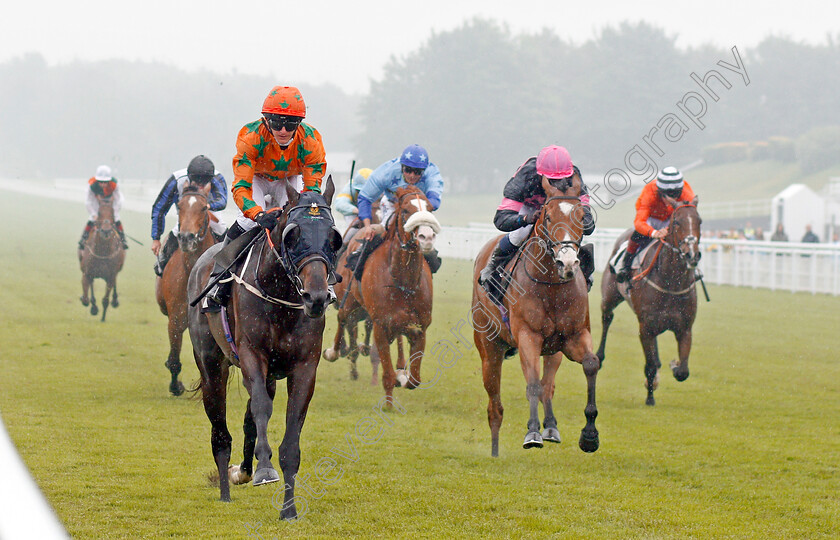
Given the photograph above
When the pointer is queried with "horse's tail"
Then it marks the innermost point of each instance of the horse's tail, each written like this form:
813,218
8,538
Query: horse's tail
195,393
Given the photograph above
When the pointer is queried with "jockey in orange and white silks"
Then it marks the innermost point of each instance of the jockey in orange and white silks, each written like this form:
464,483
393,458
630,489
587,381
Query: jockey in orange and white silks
653,213
103,185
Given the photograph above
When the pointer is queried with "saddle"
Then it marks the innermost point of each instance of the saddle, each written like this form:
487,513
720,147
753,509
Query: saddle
617,260
356,260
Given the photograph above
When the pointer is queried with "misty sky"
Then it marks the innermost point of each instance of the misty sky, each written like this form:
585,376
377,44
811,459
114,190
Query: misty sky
348,42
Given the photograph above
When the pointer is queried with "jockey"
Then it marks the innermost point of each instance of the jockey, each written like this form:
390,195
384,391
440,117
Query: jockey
653,212
199,172
277,150
103,184
347,200
411,168
521,204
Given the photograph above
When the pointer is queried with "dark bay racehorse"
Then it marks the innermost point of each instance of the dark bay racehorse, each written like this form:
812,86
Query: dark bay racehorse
662,294
194,237
102,257
276,322
395,291
545,313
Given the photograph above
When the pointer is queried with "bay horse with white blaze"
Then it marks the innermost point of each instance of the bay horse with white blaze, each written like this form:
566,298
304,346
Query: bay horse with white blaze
194,237
395,291
271,328
102,257
545,312
662,294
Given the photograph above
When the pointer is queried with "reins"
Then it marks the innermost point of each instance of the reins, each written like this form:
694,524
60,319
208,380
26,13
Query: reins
545,244
674,247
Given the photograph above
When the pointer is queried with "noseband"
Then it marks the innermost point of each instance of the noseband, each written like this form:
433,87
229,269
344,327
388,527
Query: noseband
203,231
551,244
292,268
673,245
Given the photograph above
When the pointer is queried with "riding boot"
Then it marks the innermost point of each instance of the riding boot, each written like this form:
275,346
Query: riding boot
501,255
85,234
624,274
165,254
121,232
219,295
586,255
433,260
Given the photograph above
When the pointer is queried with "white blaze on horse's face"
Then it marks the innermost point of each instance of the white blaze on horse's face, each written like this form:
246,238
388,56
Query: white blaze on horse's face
565,255
420,204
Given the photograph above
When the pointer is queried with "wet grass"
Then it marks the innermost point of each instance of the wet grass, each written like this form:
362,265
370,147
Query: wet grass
746,448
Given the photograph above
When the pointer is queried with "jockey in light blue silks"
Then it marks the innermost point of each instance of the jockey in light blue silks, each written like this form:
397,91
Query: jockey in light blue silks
411,168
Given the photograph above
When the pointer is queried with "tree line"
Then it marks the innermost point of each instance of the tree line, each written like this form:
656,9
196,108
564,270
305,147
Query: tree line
480,98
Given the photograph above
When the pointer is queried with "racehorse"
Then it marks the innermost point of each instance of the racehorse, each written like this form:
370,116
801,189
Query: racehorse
545,312
272,328
662,295
395,291
102,257
348,344
194,237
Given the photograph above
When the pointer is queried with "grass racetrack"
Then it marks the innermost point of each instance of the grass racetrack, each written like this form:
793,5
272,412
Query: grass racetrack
747,447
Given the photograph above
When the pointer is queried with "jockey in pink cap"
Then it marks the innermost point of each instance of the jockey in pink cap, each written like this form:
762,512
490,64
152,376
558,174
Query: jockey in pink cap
520,207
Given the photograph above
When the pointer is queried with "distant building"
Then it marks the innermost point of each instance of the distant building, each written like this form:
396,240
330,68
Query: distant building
797,206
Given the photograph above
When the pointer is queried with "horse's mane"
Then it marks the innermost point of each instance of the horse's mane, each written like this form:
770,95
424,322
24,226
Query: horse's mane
191,188
408,189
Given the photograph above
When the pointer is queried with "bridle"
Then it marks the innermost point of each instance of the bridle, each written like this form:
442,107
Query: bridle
292,267
672,243
203,232
545,241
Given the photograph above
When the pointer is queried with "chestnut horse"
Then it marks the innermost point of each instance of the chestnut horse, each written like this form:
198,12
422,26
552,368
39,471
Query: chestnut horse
662,294
194,237
349,346
545,313
102,257
395,291
274,322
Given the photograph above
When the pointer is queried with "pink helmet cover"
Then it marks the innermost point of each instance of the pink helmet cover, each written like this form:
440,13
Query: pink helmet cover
554,162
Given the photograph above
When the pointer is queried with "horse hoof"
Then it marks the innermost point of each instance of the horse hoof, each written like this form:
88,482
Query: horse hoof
115,303
650,401
330,355
266,475
402,378
551,434
678,374
84,301
176,388
533,440
588,440
354,373
237,476
94,310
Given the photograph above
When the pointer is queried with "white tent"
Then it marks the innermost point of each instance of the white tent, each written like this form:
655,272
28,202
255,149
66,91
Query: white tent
795,207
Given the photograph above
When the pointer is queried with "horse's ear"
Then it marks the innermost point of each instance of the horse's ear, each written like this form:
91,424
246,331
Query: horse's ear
670,201
292,194
205,189
548,188
695,200
328,189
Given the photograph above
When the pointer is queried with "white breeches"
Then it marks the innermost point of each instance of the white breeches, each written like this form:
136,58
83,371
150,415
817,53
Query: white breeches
269,195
